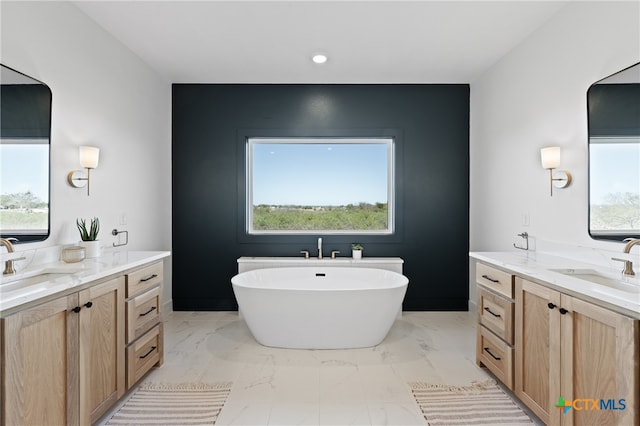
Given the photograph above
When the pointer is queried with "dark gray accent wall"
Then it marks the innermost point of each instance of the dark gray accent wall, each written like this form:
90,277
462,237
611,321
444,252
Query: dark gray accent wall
431,126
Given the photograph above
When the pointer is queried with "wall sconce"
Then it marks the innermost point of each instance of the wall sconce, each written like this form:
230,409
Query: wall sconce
551,160
89,156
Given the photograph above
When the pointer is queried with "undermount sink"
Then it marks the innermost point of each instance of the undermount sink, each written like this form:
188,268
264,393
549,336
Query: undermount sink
13,286
28,282
603,279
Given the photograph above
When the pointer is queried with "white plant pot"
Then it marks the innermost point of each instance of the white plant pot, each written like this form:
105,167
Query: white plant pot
92,248
356,254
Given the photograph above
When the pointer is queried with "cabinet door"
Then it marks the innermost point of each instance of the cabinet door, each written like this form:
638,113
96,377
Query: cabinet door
599,361
40,356
101,348
537,330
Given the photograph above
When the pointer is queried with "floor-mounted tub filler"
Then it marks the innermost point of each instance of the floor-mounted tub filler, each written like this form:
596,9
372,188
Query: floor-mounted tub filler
319,307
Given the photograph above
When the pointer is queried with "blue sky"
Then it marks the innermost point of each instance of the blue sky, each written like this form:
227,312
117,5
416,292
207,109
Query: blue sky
616,168
319,173
25,167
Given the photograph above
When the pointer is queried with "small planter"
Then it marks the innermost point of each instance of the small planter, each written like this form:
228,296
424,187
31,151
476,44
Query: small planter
92,248
356,250
89,236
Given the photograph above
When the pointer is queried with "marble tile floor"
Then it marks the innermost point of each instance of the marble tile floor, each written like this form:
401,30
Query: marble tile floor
319,387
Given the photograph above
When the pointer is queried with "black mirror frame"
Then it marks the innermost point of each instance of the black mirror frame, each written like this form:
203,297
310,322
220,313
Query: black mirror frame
18,238
613,236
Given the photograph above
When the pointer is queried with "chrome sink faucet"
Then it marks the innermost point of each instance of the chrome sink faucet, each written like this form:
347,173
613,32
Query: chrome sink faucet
628,265
319,248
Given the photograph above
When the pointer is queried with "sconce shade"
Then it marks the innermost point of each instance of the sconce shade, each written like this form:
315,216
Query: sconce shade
89,156
550,157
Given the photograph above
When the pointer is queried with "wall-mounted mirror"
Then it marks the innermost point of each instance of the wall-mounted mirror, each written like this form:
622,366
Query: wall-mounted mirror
25,129
614,156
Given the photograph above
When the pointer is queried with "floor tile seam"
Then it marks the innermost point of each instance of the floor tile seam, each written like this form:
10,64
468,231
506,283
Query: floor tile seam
240,413
313,400
275,422
364,406
411,408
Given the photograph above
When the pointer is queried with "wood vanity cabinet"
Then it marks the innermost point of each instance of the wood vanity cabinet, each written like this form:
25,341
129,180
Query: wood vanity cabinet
144,327
67,361
566,347
494,343
101,348
43,338
63,360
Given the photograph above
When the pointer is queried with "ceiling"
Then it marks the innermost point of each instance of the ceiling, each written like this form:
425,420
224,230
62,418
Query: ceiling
366,41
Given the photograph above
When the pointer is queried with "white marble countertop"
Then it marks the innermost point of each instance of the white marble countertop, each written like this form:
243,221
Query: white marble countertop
316,261
538,267
68,278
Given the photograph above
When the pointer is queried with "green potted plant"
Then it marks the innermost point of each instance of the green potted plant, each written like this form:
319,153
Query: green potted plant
356,250
89,236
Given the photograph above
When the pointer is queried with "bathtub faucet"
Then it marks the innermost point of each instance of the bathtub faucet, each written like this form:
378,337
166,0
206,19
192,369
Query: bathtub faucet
319,248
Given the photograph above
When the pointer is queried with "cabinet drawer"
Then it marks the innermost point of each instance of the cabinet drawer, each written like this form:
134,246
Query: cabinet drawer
143,354
143,279
496,313
143,312
495,279
496,355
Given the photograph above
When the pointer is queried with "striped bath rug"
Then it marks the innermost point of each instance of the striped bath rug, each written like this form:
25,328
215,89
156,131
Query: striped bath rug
481,403
173,404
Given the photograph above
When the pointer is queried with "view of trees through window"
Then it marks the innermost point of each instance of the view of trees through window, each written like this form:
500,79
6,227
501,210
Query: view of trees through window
333,185
614,186
24,199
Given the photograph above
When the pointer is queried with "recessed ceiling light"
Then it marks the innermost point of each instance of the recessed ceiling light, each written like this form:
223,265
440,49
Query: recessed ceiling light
319,58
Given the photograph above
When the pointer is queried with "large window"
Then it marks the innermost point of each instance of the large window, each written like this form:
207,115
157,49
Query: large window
329,185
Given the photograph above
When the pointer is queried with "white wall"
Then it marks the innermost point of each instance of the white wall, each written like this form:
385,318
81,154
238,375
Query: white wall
103,95
534,97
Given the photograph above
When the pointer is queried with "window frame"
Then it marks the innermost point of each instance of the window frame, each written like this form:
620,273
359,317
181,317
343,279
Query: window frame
390,148
244,134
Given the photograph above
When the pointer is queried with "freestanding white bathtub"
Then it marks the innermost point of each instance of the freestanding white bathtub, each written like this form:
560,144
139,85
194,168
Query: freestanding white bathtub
319,307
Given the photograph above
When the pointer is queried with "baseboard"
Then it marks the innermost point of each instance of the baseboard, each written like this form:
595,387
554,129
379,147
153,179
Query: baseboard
167,307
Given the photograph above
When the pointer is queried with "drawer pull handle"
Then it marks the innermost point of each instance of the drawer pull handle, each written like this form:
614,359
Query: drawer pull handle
76,309
88,304
563,311
551,305
492,313
492,355
153,348
487,277
151,309
150,277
